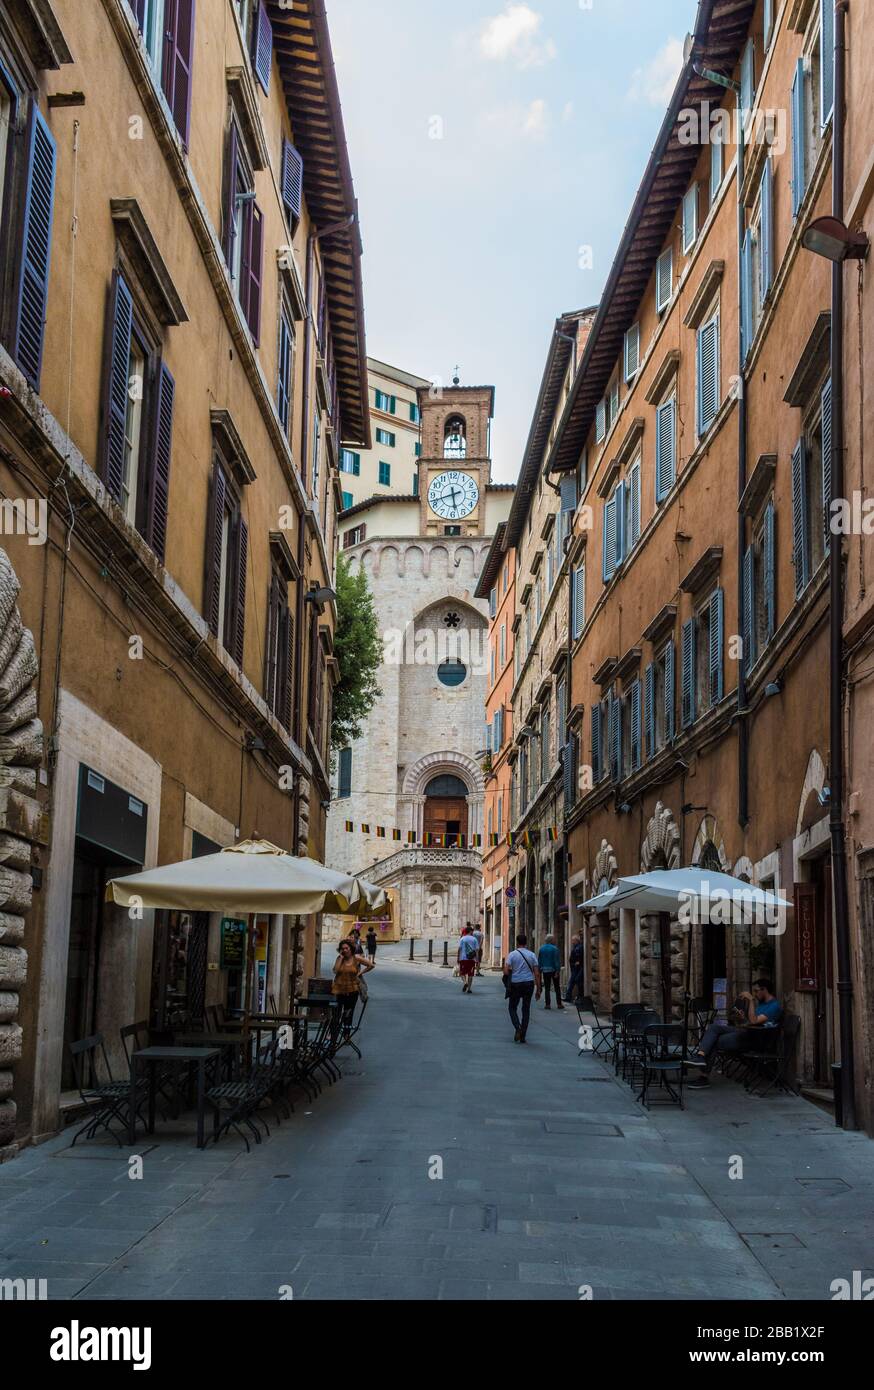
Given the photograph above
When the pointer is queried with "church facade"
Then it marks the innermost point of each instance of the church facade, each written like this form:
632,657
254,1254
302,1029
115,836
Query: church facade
407,799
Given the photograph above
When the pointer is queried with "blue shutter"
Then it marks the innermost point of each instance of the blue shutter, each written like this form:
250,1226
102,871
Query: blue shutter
33,279
717,640
746,318
688,674
748,630
292,180
666,448
670,692
159,476
708,375
715,166
799,138
770,575
826,463
609,539
568,492
826,60
800,521
766,234
649,710
619,508
632,352
601,420
262,46
633,484
664,279
120,327
614,736
596,743
567,760
690,217
636,757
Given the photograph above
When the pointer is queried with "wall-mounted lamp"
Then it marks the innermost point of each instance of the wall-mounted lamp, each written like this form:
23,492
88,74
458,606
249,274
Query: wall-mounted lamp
829,238
774,687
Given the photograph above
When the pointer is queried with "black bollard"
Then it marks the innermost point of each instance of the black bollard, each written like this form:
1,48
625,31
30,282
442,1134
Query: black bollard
431,951
445,965
412,943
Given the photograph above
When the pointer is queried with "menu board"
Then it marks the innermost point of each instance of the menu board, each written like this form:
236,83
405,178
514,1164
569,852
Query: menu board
233,944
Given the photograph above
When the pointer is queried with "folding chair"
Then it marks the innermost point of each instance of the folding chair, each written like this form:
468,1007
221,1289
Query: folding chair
105,1098
662,1057
602,1034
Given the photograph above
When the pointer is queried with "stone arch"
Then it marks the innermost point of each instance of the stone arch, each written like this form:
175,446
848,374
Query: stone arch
420,773
744,868
662,841
437,561
389,560
413,560
710,834
464,560
814,782
21,747
606,868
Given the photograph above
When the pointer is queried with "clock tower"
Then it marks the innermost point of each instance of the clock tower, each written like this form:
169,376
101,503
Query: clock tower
454,466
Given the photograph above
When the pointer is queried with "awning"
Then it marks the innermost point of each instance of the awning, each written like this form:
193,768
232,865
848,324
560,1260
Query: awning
704,894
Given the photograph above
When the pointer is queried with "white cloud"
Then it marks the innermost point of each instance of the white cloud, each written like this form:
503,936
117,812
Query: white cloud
655,83
530,122
515,36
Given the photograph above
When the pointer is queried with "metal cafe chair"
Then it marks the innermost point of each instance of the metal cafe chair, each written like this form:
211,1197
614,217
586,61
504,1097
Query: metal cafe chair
618,1016
662,1058
773,1065
602,1035
634,1025
105,1098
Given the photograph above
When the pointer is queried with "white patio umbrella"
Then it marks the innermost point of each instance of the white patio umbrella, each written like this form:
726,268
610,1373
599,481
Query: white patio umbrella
253,876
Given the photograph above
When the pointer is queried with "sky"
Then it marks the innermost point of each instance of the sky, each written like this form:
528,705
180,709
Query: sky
496,147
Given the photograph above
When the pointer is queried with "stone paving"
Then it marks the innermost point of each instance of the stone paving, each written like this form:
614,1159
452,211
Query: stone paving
553,1179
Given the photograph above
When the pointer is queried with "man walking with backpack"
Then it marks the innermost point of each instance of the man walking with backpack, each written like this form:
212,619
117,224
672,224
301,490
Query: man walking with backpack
523,972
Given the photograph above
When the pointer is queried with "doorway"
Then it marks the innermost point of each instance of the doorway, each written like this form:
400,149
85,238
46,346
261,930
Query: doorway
446,808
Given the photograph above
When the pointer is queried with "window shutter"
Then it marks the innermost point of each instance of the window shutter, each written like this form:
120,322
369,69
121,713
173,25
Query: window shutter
708,375
178,59
827,463
609,538
218,494
614,736
231,152
690,217
614,401
766,245
251,274
597,741
664,279
579,600
748,77
619,512
262,46
799,138
634,485
715,167
717,639
826,60
670,692
33,278
748,632
567,754
240,597
688,674
119,329
568,492
768,22
292,180
636,757
800,524
632,352
649,710
770,573
601,420
666,448
159,474
746,318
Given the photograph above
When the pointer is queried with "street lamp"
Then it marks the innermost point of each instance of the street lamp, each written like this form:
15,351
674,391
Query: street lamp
829,238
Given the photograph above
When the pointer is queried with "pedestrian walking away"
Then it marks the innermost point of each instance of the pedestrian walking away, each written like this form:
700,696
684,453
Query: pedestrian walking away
346,985
575,980
478,935
523,972
371,943
466,958
549,961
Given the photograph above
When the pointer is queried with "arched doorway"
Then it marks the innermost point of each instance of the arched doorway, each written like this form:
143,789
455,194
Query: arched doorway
714,958
446,807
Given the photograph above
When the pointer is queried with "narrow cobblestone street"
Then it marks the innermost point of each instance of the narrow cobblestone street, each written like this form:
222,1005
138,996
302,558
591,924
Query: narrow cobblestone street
553,1178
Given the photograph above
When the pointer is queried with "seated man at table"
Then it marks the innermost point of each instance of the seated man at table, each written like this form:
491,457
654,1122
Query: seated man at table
754,1014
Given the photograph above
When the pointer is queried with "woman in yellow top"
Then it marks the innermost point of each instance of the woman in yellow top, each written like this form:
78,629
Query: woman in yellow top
348,967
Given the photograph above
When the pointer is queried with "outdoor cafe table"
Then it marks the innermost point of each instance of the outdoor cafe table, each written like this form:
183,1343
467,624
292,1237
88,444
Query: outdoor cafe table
227,1042
152,1057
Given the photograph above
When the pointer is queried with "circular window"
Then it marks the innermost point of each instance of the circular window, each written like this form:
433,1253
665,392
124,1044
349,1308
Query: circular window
451,673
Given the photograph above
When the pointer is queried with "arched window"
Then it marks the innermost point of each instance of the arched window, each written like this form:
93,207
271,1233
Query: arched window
446,785
455,438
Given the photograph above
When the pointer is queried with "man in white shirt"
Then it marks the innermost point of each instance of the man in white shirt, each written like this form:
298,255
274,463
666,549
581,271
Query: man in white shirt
524,975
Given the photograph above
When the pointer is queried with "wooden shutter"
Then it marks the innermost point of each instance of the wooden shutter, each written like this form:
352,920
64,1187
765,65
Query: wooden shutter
748,630
212,586
634,697
690,217
230,193
799,138
717,641
770,574
800,521
601,420
271,662
688,674
32,287
666,448
708,375
239,596
287,669
715,166
615,727
649,710
664,279
766,233
632,352
567,760
597,739
670,692
292,180
746,317
826,60
579,600
262,46
178,60
826,463
747,77
609,538
251,270
158,481
619,508
117,361
634,485
283,389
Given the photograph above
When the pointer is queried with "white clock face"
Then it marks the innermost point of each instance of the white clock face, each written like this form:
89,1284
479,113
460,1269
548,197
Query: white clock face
453,495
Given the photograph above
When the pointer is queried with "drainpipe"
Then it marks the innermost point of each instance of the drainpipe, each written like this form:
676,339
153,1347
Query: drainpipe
836,610
743,729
